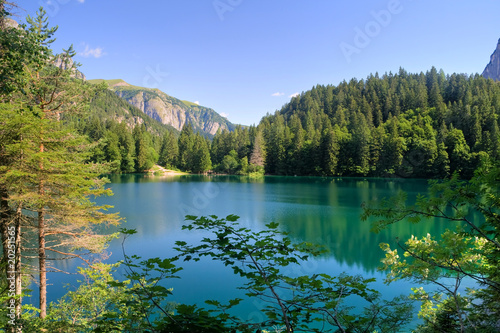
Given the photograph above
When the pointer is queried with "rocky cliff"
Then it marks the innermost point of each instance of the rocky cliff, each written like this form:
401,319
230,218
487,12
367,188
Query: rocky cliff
108,106
492,70
170,110
59,62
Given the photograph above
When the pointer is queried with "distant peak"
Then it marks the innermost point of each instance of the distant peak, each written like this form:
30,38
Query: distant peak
111,83
492,70
117,83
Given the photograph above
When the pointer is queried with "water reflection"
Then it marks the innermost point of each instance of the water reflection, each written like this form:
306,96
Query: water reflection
315,209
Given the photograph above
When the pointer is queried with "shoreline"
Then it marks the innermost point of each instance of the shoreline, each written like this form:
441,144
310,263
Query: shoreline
157,170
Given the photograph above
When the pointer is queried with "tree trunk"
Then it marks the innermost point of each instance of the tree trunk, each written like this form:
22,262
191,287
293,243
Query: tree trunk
41,246
4,220
18,266
42,262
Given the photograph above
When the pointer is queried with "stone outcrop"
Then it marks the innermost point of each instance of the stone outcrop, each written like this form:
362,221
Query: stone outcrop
58,62
170,110
492,70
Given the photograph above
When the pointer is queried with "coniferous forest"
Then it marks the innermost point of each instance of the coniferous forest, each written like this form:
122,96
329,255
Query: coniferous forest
397,125
407,125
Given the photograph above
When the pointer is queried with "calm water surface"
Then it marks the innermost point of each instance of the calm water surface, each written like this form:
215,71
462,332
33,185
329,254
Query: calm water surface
321,210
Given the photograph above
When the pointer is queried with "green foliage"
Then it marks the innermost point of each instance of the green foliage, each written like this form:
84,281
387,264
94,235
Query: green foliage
194,151
145,154
229,163
186,143
405,125
101,124
46,182
468,250
297,302
169,150
200,157
305,303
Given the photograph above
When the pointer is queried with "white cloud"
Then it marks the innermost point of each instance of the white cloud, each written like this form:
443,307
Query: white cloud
197,102
294,95
96,52
277,94
81,1
224,114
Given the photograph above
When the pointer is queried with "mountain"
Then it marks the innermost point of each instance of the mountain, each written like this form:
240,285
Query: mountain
109,106
169,110
59,62
492,70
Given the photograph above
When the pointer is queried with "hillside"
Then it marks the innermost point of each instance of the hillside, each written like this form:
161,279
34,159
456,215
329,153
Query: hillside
426,125
108,105
169,110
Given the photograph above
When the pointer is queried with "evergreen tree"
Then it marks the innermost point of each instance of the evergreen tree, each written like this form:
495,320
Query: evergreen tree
275,153
200,155
185,144
258,155
112,151
389,125
169,150
127,148
330,149
45,174
392,152
359,146
141,149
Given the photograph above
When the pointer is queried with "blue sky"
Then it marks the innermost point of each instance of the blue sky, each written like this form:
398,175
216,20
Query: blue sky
245,58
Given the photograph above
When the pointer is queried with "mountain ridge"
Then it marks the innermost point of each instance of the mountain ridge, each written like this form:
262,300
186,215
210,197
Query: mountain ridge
167,109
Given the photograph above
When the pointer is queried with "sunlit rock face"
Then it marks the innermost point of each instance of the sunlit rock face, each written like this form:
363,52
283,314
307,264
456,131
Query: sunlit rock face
492,70
170,110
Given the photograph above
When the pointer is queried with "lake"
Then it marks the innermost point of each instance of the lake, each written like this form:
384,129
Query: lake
320,210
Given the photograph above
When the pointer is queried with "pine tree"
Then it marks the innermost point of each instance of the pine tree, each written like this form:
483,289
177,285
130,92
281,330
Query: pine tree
330,149
127,148
44,170
495,140
55,184
275,153
169,150
141,149
200,155
185,144
258,155
392,151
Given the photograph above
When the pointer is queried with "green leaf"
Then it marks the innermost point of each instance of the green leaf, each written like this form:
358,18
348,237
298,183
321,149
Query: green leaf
232,218
272,225
126,231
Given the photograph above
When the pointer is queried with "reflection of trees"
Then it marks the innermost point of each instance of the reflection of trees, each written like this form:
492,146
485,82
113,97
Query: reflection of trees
321,210
147,178
328,212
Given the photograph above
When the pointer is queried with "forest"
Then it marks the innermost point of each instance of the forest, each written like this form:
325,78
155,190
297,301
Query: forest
55,148
426,125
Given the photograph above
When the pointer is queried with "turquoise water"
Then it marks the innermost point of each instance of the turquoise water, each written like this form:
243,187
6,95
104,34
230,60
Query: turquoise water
321,210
